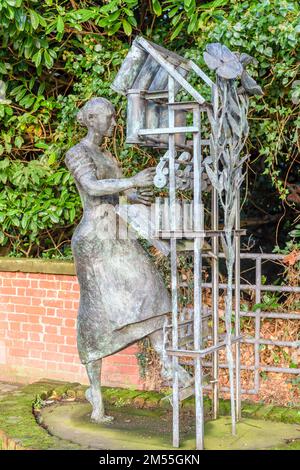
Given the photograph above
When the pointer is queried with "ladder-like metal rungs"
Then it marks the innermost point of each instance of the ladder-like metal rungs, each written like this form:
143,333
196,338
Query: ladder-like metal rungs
156,95
187,105
202,352
189,390
178,105
195,233
168,130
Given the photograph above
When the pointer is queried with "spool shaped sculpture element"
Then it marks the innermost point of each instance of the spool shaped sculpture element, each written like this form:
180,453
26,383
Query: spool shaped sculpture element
129,69
136,116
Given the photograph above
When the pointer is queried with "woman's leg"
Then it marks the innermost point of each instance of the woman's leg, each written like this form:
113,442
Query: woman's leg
93,394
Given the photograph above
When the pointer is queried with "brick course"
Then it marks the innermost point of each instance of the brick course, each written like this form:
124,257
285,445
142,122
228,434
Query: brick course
38,333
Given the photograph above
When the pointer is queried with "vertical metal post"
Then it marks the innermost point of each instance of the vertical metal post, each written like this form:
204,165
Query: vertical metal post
157,223
257,322
237,311
215,302
215,276
172,200
197,281
166,215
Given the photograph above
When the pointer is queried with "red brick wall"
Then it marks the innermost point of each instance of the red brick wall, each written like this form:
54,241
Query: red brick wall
38,333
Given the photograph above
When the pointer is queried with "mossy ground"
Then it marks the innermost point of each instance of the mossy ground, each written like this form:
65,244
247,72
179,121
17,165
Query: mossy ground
148,429
18,422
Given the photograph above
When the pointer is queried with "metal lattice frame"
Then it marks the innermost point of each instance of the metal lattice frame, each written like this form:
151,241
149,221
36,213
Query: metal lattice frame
259,315
256,341
147,67
198,351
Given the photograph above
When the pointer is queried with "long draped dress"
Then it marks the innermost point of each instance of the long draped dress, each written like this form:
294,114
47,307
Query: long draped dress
122,295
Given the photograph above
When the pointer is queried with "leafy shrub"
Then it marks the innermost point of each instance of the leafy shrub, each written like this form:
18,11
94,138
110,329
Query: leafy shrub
56,55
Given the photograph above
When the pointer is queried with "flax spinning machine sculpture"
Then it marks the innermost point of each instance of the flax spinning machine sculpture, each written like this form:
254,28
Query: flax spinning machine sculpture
209,161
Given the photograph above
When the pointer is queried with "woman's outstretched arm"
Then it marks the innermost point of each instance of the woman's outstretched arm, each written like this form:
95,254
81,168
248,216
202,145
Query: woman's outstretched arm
94,187
83,169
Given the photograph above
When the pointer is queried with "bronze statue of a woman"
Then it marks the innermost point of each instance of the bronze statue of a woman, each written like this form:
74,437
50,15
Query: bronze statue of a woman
122,295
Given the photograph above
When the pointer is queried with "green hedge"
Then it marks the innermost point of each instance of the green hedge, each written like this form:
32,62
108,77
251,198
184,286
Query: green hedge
57,55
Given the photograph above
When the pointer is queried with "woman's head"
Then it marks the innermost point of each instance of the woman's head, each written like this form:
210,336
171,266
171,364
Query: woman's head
98,114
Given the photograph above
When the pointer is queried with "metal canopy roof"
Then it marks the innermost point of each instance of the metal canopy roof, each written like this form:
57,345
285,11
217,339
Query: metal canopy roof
147,67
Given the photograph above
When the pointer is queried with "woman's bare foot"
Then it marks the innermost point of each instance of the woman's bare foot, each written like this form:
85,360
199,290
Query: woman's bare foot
97,415
100,418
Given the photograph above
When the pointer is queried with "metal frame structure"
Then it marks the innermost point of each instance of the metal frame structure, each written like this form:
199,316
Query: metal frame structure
259,315
198,351
151,77
144,62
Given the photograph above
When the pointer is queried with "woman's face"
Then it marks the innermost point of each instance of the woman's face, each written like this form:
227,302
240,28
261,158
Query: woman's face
111,123
103,122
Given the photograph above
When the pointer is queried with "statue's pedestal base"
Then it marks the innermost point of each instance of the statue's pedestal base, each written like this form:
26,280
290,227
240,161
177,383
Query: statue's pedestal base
152,429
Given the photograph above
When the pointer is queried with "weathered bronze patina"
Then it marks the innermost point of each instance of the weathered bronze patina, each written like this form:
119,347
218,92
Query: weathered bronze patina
122,296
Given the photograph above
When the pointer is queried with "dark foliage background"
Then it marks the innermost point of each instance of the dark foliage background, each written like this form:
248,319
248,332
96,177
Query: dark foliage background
55,55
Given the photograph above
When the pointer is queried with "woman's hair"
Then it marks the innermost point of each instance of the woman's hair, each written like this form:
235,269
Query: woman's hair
96,105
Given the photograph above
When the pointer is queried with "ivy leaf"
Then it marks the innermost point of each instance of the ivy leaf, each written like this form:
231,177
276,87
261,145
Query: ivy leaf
37,58
31,83
25,219
2,237
54,218
128,12
20,19
21,94
52,53
189,6
34,18
72,214
48,60
41,89
51,159
156,7
177,31
15,221
60,25
173,11
42,21
132,21
114,16
27,101
192,24
19,141
127,27
268,51
114,28
103,22
108,7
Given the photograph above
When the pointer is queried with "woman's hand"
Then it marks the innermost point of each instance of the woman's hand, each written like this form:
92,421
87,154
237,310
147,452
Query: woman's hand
144,178
141,196
145,197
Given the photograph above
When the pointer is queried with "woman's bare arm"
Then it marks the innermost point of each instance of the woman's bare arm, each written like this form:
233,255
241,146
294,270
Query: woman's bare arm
95,187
